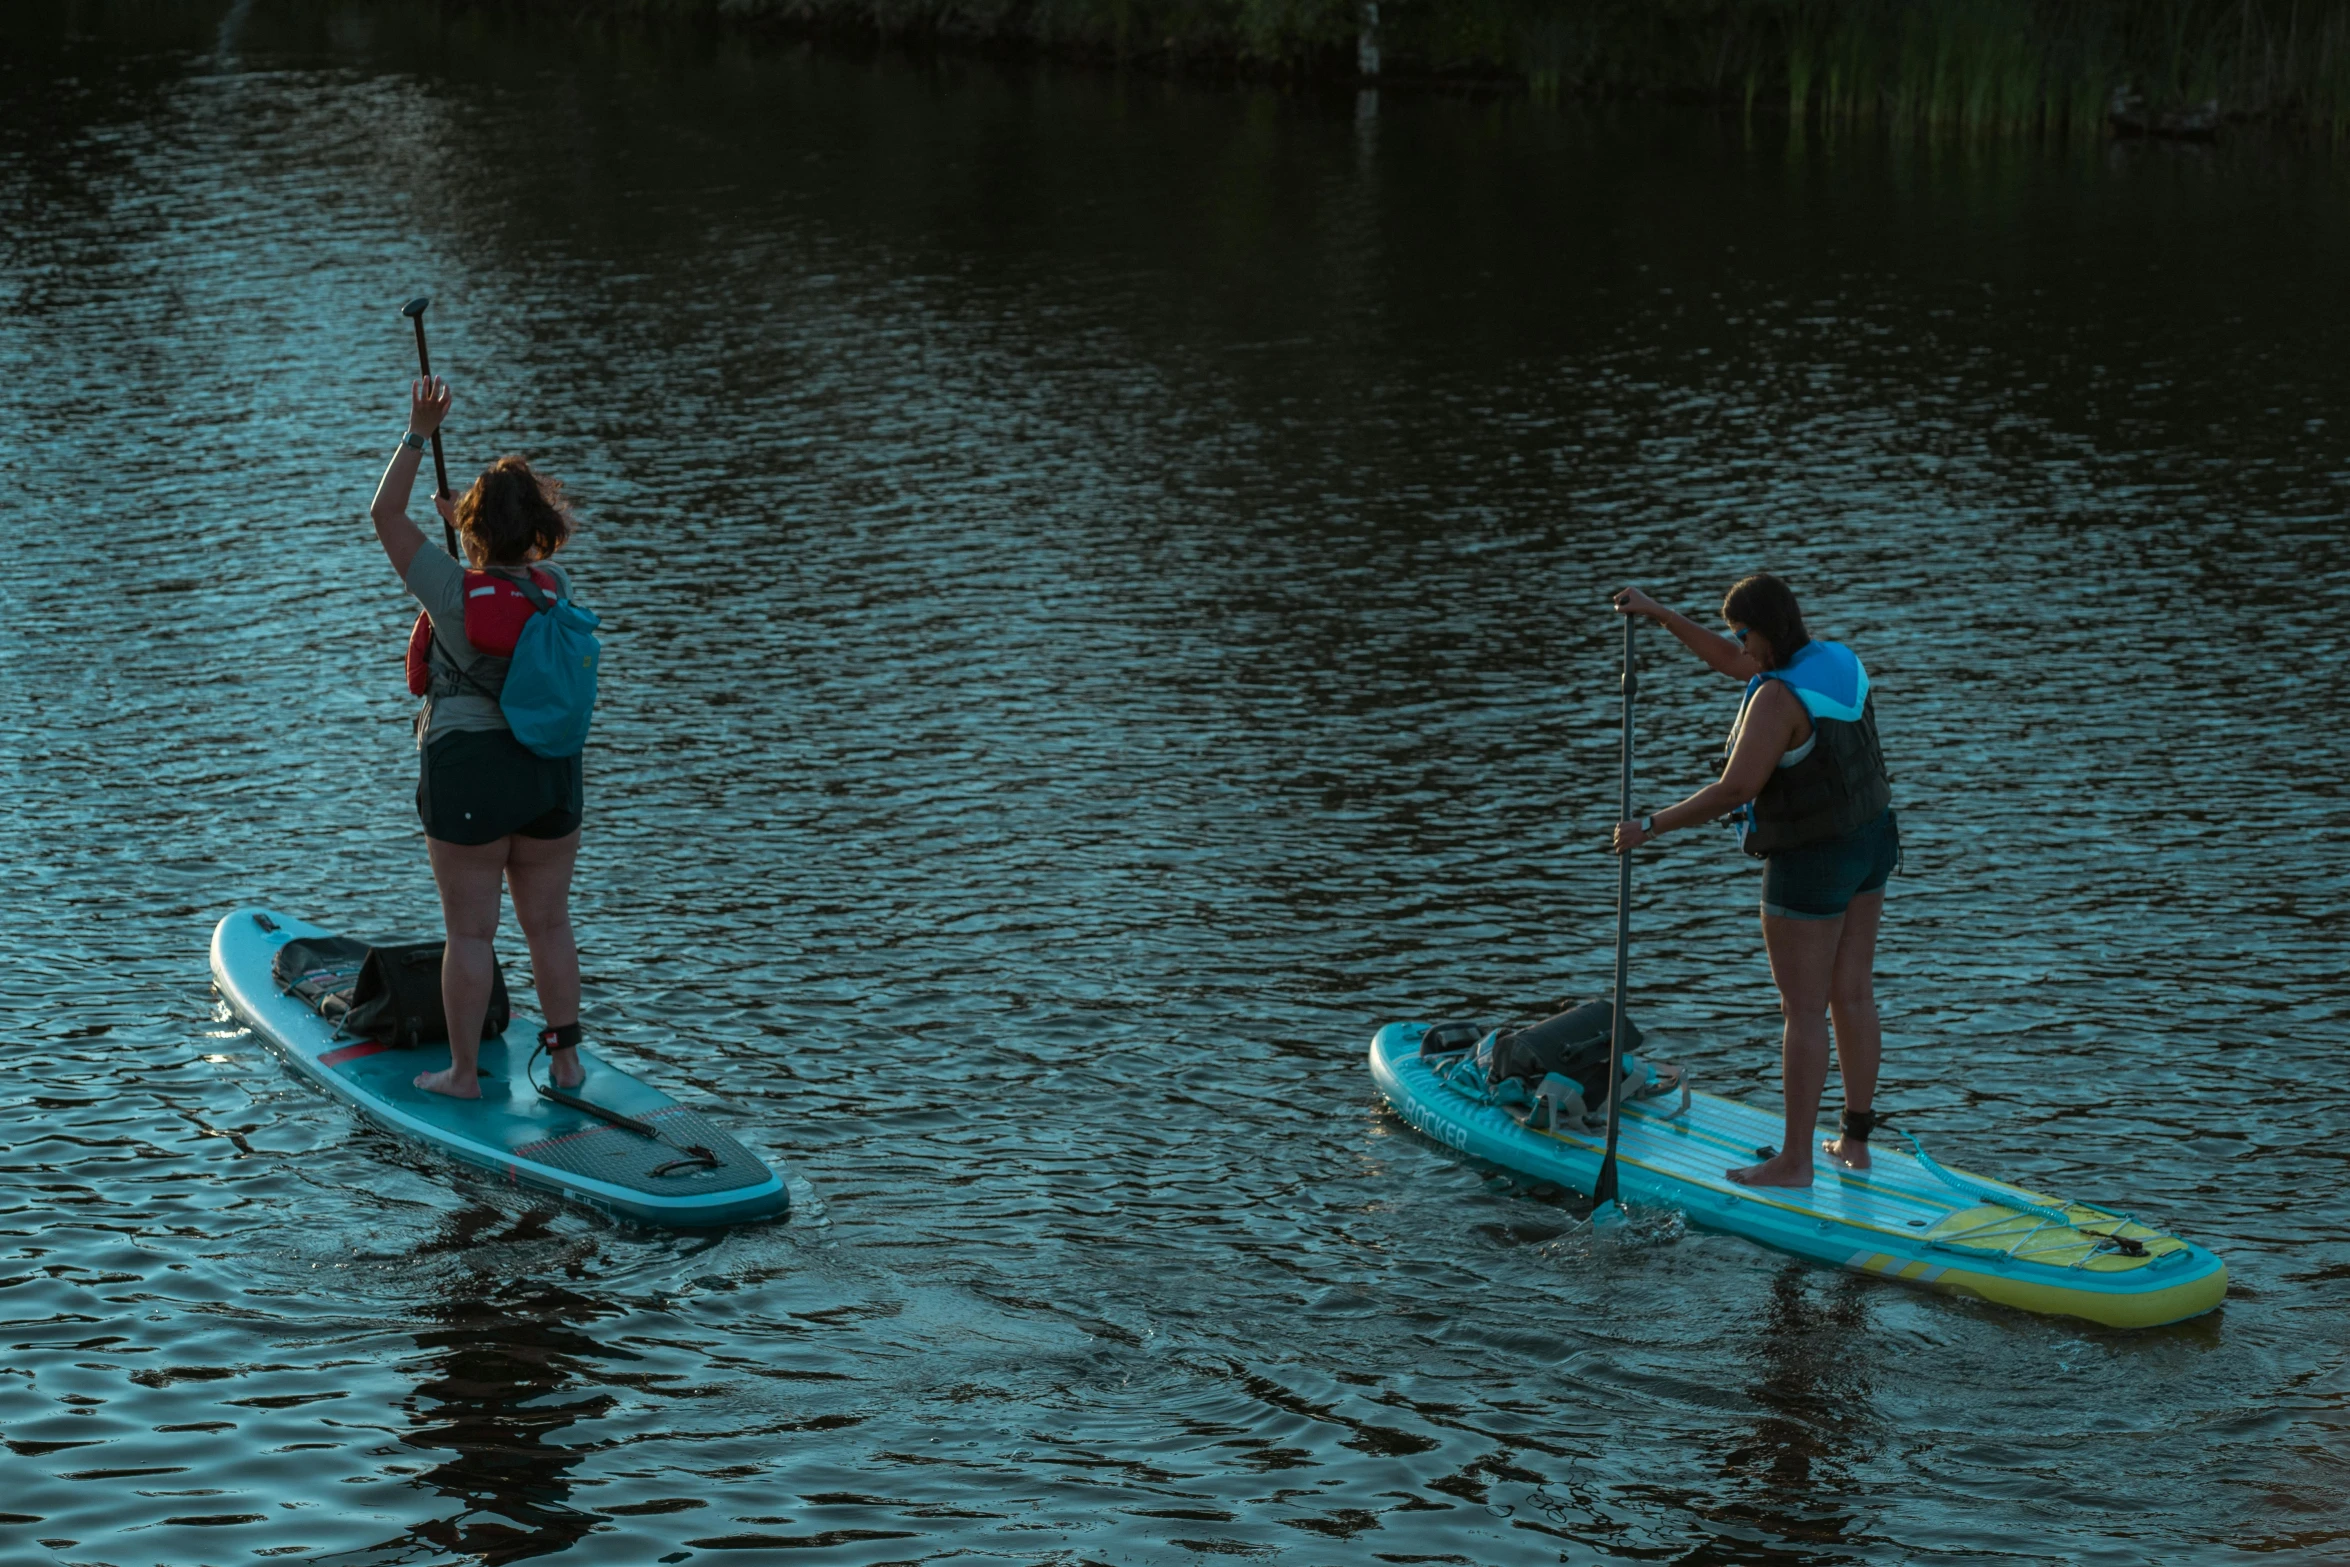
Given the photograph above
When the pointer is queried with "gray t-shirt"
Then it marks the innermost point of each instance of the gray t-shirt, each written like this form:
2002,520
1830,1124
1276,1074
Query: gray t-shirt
438,584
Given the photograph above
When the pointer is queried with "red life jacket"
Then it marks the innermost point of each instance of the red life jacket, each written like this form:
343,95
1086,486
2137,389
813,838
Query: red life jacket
495,613
420,655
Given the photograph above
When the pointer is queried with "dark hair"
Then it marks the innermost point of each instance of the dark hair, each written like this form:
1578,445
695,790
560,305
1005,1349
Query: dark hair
511,510
1763,603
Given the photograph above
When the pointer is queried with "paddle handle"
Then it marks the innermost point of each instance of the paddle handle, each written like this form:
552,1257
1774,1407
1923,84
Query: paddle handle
1604,1189
440,464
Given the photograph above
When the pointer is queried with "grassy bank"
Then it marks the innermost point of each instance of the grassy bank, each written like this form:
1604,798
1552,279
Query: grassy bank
1949,67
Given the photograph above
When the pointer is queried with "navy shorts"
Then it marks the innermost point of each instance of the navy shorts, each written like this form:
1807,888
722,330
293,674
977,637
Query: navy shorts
478,785
1820,880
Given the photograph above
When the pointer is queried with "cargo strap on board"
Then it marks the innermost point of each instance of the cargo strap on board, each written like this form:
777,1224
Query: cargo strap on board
1557,1102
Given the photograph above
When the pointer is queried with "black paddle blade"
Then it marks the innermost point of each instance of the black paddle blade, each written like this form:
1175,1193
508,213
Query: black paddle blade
416,307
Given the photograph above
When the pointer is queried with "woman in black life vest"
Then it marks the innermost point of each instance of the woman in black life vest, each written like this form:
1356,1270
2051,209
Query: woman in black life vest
1807,779
493,812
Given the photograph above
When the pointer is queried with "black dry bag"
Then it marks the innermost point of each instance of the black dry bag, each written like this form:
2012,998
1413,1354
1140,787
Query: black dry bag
388,994
1574,1044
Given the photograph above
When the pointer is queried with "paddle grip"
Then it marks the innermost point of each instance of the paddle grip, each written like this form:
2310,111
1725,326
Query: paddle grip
440,464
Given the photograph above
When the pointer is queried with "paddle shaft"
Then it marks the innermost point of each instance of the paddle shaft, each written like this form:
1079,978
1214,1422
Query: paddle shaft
440,466
1604,1189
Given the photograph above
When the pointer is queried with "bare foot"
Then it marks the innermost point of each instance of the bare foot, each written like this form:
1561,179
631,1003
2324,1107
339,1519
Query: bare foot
1850,1152
1787,1169
446,1081
563,1068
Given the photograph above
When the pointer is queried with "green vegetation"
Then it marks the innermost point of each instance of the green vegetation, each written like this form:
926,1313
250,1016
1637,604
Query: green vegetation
1940,67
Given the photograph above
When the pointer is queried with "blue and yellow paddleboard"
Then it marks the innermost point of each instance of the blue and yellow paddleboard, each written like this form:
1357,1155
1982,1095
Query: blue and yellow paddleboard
510,1131
1949,1231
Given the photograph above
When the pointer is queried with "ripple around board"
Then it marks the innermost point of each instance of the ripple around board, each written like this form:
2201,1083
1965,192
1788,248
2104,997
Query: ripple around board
1105,589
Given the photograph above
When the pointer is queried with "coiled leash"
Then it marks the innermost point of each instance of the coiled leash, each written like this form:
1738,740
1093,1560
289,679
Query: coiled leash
567,1037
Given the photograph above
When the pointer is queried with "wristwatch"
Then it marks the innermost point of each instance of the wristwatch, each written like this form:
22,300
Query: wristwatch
411,440
1647,826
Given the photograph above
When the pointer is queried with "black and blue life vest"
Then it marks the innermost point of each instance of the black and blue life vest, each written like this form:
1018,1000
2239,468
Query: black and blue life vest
1833,783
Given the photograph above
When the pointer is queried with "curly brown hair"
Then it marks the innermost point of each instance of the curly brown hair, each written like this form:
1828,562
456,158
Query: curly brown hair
512,510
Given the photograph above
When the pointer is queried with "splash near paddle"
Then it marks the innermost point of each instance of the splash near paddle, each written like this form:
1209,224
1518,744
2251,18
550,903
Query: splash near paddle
1905,1218
613,1143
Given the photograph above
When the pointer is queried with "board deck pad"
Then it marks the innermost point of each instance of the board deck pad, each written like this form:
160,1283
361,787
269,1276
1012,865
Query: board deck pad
1897,1218
511,1130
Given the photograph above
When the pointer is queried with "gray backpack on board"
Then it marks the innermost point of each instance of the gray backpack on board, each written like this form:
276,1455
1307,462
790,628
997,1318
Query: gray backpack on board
1573,1044
1555,1069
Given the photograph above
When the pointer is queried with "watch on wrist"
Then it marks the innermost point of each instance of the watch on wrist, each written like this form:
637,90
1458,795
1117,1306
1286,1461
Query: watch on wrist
1648,826
411,440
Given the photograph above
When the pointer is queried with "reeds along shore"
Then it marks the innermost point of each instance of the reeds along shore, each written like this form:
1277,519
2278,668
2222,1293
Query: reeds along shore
1951,67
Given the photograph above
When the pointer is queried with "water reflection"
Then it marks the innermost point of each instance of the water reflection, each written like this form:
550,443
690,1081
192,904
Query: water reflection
1793,1476
503,1382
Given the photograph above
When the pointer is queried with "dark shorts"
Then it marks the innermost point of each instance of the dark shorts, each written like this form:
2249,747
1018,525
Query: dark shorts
478,785
1820,880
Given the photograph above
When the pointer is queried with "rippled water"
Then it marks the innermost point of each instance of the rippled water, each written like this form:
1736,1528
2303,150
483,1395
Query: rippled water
1105,584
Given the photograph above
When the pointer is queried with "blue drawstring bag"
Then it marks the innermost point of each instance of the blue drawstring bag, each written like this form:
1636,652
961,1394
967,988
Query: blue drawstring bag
550,691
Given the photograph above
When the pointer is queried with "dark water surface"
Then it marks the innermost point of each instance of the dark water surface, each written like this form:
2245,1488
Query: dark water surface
1105,584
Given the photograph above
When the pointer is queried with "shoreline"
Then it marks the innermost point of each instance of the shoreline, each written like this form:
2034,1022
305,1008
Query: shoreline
1943,69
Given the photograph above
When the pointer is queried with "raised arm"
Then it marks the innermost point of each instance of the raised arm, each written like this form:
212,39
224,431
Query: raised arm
428,405
1721,655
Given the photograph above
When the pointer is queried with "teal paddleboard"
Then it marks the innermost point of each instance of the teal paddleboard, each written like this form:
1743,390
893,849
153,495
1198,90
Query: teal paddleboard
510,1131
1904,1218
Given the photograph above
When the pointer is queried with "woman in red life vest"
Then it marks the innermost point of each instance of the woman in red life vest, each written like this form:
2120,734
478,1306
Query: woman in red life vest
493,811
